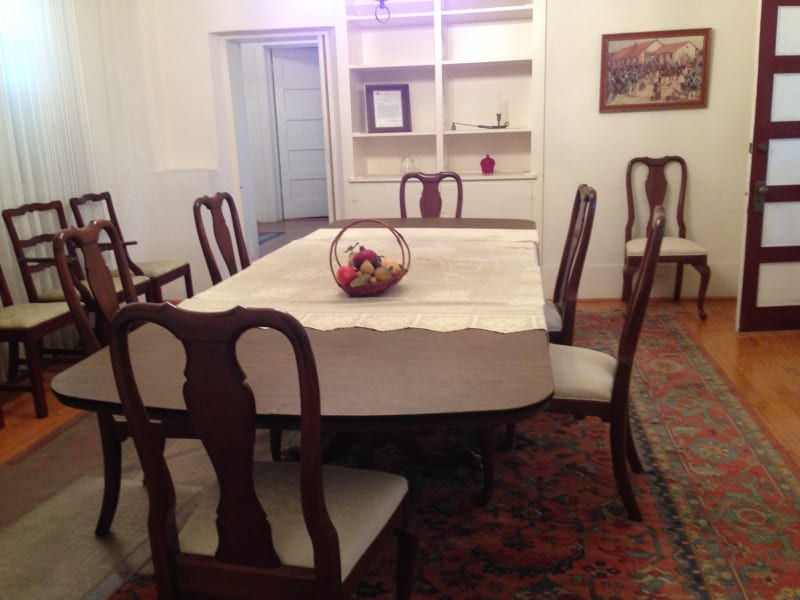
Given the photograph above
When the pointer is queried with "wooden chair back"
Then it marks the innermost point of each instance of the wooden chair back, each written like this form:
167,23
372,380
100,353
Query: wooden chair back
430,202
221,407
31,228
655,191
579,232
98,207
98,289
222,235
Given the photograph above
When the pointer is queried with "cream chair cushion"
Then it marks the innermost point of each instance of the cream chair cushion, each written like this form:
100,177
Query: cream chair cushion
671,246
581,373
359,502
157,268
27,316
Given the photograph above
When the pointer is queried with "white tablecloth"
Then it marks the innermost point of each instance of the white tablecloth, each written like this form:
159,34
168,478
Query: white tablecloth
458,279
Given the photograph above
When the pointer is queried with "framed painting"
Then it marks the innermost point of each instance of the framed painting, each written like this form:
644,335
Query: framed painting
388,108
654,70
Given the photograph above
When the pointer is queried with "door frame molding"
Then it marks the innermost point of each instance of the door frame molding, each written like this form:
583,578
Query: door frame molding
224,48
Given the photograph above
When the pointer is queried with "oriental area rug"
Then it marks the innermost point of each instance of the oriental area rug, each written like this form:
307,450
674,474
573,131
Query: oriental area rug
720,503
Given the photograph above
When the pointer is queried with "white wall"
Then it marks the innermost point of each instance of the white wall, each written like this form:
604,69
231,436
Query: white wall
157,95
160,108
584,146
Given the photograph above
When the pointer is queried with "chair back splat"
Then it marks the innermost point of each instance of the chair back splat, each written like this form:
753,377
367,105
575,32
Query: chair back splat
657,191
225,244
99,289
430,202
229,547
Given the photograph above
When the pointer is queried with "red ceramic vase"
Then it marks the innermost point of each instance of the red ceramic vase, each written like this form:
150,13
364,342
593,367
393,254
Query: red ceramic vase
487,165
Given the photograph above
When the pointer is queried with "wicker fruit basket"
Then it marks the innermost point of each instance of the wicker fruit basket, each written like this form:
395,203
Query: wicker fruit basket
382,273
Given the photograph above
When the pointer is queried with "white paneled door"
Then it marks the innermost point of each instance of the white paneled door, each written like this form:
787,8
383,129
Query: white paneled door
298,112
770,297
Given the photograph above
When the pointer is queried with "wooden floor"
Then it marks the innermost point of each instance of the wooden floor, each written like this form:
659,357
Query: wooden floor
763,368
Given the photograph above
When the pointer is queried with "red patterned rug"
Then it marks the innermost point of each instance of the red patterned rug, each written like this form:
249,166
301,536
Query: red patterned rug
721,504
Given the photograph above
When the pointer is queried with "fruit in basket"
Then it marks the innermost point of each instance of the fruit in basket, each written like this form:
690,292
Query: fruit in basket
382,274
366,267
365,254
361,280
345,274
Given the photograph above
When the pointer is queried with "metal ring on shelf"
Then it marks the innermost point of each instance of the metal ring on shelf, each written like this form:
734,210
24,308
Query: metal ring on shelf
382,13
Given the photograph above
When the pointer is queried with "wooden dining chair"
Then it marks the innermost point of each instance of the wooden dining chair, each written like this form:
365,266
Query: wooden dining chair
560,311
430,202
591,383
160,272
264,529
676,249
106,292
216,205
27,323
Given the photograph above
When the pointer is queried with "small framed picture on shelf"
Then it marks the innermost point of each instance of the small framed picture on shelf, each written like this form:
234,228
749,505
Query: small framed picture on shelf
388,108
655,70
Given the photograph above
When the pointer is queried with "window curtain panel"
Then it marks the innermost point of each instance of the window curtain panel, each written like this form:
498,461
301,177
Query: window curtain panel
45,148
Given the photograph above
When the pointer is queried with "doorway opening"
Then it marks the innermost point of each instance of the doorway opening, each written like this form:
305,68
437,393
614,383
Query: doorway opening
281,125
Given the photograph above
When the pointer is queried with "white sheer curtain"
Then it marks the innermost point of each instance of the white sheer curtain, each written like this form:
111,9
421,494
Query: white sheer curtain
45,148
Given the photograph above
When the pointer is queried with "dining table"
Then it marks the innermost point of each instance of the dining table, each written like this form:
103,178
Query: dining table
460,341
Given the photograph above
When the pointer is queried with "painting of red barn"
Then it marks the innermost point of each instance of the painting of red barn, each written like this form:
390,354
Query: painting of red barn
654,70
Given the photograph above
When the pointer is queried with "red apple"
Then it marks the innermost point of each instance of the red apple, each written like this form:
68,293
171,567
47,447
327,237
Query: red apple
345,274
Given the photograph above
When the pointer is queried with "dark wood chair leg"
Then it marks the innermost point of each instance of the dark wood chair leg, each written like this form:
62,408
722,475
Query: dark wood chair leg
13,360
34,361
705,277
676,291
508,440
619,445
633,456
486,436
112,471
406,562
275,439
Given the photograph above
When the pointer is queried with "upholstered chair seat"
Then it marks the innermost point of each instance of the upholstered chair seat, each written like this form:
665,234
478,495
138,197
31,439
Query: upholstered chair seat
359,502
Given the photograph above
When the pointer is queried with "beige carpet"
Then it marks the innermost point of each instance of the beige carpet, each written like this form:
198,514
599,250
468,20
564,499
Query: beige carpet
51,553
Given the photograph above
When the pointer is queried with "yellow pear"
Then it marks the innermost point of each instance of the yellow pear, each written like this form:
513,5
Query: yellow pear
366,267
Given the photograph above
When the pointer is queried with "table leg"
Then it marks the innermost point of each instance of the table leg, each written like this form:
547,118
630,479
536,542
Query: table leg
112,470
486,436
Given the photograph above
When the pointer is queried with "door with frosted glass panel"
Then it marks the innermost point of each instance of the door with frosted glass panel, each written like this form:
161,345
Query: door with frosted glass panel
770,297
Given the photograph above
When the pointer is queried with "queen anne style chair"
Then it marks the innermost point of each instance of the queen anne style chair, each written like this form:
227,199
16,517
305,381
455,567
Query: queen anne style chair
430,202
27,324
216,206
225,246
101,287
265,529
159,272
591,383
678,250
